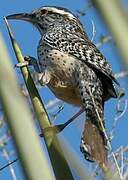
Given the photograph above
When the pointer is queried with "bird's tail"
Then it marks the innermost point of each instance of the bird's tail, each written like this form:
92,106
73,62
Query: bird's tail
93,141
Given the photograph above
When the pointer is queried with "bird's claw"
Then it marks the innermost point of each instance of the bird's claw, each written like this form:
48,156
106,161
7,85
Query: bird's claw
29,61
22,64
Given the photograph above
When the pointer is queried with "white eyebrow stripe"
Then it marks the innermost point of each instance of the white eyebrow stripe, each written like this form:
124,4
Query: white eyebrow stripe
59,11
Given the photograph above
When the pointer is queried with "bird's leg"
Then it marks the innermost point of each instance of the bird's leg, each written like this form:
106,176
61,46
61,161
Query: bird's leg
29,61
60,127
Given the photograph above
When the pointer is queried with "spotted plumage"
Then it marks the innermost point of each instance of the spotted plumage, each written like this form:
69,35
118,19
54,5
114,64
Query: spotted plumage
75,71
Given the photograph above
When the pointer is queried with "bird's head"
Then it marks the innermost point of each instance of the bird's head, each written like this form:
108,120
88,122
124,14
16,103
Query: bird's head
48,16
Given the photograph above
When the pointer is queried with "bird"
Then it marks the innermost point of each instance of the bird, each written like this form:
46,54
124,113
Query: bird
75,71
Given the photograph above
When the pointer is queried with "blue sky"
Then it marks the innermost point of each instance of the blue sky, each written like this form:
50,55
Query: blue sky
28,38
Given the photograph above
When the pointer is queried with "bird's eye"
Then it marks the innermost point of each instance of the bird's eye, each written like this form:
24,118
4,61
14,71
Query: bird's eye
44,11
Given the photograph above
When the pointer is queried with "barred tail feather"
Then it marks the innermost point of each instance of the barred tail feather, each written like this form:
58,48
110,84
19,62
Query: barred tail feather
93,144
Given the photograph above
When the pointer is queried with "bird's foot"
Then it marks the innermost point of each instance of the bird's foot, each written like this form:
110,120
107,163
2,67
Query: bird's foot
22,64
29,61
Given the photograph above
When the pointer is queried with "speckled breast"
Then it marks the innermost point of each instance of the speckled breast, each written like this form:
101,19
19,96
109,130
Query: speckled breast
62,67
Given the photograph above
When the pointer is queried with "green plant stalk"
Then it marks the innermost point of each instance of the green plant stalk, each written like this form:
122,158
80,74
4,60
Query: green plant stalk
59,163
114,16
20,120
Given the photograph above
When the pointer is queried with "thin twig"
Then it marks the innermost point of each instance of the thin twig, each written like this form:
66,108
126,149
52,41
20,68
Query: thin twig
83,12
61,127
119,154
93,31
52,103
125,176
97,171
73,118
118,117
121,74
4,139
6,155
118,151
8,164
104,40
122,161
55,115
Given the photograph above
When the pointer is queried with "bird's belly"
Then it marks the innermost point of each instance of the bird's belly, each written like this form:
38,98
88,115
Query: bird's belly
61,67
66,93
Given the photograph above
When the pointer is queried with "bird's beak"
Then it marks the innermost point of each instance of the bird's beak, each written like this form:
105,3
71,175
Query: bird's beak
21,16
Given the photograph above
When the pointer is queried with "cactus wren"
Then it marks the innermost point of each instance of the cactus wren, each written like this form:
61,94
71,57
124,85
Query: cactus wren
75,71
